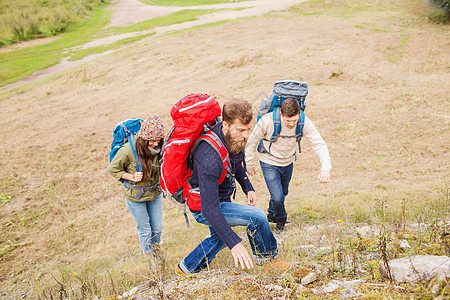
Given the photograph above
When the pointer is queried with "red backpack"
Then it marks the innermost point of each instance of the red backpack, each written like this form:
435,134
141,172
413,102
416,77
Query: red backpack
193,117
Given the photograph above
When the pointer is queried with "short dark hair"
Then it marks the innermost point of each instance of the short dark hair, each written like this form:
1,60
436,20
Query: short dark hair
290,107
237,109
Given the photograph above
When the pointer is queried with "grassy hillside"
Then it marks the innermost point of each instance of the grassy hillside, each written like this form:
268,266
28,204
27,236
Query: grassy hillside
23,62
378,77
22,20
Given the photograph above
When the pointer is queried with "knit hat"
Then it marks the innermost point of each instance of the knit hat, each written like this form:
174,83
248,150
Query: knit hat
151,129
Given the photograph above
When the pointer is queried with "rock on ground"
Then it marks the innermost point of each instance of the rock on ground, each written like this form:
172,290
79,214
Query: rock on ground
417,267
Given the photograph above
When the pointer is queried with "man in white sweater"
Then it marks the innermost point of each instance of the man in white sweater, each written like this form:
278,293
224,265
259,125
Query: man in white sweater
277,158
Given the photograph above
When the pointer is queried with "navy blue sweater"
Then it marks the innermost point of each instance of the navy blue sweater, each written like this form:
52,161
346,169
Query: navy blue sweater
207,168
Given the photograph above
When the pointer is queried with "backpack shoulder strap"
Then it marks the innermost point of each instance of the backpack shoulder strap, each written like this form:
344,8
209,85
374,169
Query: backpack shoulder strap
133,147
215,142
299,130
276,125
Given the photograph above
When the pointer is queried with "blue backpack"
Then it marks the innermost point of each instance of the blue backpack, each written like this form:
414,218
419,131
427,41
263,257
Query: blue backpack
123,133
282,90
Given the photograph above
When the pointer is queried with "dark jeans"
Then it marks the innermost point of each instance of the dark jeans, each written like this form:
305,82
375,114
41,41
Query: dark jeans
277,181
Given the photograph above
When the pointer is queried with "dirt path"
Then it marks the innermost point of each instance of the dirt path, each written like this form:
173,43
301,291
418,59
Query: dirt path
129,12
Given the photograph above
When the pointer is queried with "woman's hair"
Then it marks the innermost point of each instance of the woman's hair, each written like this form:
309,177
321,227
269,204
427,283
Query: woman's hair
290,107
146,157
237,109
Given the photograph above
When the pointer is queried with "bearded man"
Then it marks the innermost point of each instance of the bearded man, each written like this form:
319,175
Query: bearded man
217,210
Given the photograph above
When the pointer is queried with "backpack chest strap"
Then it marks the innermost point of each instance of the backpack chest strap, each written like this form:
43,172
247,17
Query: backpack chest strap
277,129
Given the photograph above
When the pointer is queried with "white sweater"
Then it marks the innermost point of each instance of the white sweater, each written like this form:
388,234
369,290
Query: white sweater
283,150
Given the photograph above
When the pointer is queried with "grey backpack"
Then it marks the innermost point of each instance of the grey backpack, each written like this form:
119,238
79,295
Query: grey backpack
282,90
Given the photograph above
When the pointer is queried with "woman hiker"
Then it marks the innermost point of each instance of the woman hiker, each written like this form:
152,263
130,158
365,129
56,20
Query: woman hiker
143,195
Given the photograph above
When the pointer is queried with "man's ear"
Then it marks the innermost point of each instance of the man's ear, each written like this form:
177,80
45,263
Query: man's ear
225,125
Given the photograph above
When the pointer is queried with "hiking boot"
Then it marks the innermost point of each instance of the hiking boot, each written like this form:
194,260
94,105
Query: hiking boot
178,270
272,219
277,230
276,265
280,225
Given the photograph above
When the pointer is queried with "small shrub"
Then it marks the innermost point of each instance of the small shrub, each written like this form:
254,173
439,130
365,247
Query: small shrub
22,21
441,14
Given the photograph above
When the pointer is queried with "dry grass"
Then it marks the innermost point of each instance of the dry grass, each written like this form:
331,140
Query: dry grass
385,121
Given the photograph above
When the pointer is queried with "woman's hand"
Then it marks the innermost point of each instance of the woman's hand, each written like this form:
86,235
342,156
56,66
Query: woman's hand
137,176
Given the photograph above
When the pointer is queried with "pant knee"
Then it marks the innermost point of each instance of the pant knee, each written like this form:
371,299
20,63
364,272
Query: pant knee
258,217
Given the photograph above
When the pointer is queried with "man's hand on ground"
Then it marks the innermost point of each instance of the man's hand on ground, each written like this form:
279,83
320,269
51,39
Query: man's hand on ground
324,176
241,257
251,198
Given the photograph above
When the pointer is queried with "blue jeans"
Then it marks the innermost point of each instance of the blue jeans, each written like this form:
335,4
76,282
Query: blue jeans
262,241
277,181
148,218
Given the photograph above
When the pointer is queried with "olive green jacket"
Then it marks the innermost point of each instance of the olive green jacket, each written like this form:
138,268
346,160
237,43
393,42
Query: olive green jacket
124,161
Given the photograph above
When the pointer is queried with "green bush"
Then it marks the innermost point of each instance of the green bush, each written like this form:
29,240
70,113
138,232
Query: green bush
444,4
443,15
22,20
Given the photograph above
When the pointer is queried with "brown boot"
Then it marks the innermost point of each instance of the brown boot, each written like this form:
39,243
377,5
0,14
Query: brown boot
178,271
277,265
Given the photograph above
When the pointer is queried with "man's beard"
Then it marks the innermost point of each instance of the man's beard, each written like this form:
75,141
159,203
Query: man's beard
235,145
